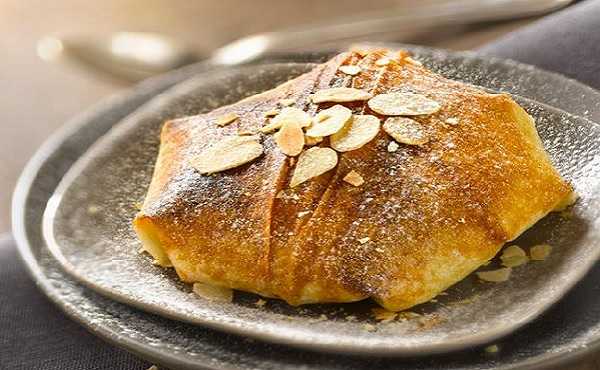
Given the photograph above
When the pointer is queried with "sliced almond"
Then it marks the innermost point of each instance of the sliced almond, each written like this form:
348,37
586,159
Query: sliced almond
329,121
226,119
540,252
350,70
413,61
453,121
287,102
495,276
311,141
340,95
405,130
313,162
513,256
289,114
364,240
212,292
272,112
357,132
230,152
354,178
290,138
246,133
403,104
392,146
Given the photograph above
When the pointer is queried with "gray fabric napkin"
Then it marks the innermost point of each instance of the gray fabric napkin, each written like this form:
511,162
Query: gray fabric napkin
34,334
567,42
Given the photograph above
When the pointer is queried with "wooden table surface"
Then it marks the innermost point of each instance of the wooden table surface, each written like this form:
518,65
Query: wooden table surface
38,97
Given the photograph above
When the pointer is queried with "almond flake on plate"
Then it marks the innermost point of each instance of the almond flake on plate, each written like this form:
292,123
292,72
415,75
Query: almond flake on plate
213,292
290,138
383,315
513,256
230,152
495,276
405,130
403,104
540,252
313,162
392,146
287,115
354,178
287,102
226,119
358,131
350,70
340,95
335,119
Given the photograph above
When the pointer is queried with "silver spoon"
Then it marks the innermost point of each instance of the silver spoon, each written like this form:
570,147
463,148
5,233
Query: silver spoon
135,55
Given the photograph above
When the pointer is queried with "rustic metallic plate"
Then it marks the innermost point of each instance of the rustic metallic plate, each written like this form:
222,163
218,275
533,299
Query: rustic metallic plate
88,228
566,333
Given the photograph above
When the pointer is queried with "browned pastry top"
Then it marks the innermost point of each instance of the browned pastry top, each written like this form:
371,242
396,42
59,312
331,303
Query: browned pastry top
426,216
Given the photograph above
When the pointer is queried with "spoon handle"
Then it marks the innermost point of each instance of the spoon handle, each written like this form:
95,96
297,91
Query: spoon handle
381,23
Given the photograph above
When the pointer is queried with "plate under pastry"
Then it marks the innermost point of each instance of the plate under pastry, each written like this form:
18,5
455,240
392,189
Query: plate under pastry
87,227
565,334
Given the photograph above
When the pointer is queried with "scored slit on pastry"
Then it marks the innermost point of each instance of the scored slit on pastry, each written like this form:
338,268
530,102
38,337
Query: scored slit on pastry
426,215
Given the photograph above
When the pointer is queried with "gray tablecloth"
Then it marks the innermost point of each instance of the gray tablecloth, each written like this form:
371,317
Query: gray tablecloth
34,334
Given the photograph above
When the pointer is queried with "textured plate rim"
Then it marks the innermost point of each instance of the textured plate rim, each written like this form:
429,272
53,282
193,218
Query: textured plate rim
290,337
28,178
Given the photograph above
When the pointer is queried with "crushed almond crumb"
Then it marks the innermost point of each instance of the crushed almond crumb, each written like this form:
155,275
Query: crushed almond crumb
93,209
369,327
260,302
492,349
354,178
226,119
302,214
392,147
540,252
364,240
